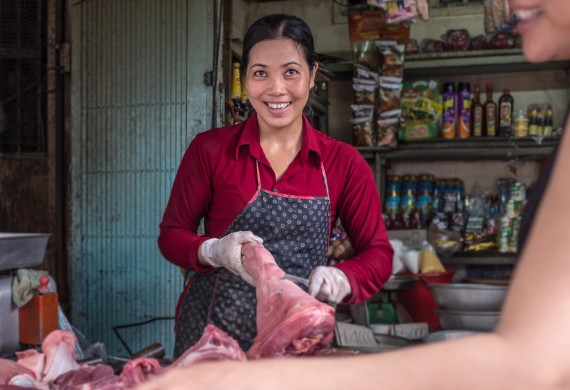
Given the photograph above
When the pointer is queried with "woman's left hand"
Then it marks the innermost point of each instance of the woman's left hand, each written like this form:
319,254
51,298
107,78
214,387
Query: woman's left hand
329,284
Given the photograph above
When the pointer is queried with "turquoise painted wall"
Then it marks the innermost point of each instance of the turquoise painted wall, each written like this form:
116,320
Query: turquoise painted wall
138,98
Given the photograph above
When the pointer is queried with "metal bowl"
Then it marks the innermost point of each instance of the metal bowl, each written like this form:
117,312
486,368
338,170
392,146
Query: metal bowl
484,321
469,297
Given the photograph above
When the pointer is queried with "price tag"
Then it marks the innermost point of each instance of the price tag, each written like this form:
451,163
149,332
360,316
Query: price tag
351,335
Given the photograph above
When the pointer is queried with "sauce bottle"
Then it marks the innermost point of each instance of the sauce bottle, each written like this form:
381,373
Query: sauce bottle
235,92
449,106
533,129
547,125
489,113
476,112
506,103
463,110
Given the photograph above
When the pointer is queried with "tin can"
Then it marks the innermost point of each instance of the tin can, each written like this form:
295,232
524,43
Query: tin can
510,208
503,243
518,191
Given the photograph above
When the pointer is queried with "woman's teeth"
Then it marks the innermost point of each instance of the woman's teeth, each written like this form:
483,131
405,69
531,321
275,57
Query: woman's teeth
277,106
528,14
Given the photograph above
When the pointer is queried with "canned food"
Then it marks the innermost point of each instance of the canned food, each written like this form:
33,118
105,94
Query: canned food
512,208
504,240
518,191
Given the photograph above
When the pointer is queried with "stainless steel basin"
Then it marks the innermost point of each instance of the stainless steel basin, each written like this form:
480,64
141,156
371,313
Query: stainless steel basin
469,297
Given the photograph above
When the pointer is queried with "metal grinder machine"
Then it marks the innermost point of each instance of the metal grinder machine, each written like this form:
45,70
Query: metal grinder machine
17,250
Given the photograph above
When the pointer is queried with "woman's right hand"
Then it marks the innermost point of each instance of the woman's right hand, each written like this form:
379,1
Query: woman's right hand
226,252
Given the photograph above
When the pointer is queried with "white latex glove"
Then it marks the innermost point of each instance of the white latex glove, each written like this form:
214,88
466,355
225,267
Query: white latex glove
329,284
226,252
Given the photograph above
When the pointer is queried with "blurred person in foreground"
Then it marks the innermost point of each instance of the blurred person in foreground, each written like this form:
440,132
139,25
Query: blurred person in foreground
530,348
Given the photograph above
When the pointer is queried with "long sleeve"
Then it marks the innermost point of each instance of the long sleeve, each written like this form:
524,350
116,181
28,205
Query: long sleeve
360,212
178,240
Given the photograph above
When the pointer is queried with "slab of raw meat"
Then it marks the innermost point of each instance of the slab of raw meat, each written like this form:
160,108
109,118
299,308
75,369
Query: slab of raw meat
138,371
215,344
59,349
27,381
80,378
290,322
9,368
33,360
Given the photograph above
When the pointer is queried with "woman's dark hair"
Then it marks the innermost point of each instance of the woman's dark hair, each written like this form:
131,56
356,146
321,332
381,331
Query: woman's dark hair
279,26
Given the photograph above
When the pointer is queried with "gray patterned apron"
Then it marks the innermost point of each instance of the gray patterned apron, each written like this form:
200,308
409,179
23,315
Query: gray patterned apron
295,229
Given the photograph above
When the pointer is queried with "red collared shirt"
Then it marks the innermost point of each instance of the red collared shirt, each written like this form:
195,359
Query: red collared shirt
217,178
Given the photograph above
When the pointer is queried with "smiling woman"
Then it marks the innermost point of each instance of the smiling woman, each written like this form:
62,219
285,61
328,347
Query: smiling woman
276,180
278,80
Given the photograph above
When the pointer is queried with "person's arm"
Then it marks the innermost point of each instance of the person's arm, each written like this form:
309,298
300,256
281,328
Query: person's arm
191,192
529,349
360,212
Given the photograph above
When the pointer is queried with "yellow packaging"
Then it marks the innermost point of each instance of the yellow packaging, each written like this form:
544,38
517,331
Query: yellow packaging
429,262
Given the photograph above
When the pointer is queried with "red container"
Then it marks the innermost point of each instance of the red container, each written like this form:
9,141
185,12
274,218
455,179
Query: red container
419,300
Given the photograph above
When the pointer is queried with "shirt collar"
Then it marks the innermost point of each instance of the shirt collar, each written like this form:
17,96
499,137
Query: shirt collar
250,136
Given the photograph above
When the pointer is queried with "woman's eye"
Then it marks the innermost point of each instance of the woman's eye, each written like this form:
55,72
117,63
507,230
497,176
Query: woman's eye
291,72
259,73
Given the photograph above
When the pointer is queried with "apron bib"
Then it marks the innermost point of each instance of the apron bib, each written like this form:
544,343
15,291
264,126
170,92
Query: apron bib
295,229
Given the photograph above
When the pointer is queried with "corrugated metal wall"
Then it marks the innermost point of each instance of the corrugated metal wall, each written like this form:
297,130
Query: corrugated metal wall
138,98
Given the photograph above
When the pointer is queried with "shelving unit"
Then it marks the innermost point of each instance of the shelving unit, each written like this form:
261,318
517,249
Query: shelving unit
460,150
480,258
470,149
458,63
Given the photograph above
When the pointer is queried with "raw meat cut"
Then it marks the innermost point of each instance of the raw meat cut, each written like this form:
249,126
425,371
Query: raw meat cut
102,377
138,371
290,322
33,360
28,381
215,344
9,368
59,349
80,378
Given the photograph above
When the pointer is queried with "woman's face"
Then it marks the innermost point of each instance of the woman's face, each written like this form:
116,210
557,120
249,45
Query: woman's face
545,28
278,81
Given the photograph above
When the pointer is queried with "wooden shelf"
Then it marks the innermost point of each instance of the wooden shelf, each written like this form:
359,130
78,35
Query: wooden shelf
476,61
470,149
480,258
458,63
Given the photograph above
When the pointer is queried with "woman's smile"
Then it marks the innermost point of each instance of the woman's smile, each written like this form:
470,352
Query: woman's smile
278,80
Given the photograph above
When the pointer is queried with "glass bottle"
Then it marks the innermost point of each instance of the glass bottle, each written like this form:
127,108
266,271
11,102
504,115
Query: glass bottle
463,110
476,112
489,113
547,125
235,92
506,103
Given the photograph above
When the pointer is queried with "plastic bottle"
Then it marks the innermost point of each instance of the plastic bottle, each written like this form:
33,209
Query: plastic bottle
506,103
476,113
463,110
490,114
449,113
235,92
521,123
